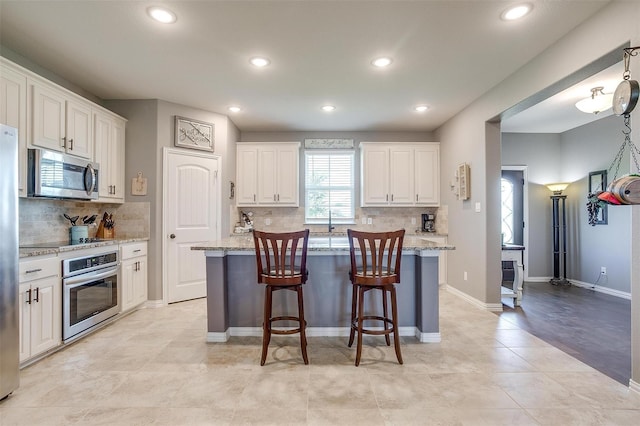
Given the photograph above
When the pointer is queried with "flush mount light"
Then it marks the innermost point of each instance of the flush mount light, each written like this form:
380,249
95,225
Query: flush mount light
381,62
161,14
259,61
597,102
328,108
516,12
235,108
421,108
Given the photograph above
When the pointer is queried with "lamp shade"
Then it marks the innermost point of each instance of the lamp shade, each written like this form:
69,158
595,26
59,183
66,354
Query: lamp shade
557,188
597,102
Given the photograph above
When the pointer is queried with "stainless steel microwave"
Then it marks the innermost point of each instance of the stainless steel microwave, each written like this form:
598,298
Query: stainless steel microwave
56,175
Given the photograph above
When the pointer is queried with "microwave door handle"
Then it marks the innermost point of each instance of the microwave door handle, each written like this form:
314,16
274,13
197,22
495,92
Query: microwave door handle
91,170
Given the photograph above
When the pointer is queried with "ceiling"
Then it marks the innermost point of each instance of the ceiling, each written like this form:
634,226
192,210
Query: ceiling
445,55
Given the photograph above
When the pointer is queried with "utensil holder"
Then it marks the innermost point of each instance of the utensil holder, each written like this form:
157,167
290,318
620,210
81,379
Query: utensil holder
78,233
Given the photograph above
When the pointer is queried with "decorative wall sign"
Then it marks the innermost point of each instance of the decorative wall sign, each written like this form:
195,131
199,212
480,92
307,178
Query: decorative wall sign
464,185
328,143
139,185
193,134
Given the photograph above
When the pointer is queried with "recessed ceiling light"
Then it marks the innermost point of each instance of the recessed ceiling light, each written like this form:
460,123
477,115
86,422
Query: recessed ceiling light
516,12
328,108
381,62
260,62
161,14
235,108
421,108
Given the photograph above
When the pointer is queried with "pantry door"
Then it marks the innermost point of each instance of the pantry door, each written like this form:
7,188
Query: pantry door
191,212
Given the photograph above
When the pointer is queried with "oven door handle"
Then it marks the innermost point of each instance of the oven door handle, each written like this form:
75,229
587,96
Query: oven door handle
87,278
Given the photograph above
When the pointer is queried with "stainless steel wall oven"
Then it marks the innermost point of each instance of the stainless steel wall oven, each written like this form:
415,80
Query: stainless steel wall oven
90,292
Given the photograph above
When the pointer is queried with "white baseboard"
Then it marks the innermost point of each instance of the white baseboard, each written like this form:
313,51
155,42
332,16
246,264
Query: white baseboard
598,288
492,307
154,303
217,337
634,386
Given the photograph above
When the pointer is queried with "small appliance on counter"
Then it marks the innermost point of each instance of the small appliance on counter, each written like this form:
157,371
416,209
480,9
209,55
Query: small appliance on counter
246,224
428,222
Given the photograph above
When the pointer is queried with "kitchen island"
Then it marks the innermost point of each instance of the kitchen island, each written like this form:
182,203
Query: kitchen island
235,300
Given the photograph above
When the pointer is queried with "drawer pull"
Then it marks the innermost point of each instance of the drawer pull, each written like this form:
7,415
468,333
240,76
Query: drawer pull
138,250
31,271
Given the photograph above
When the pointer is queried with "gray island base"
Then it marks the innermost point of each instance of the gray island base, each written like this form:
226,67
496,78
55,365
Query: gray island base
235,299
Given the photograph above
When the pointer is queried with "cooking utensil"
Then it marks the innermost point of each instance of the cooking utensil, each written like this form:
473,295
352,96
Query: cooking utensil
88,220
73,219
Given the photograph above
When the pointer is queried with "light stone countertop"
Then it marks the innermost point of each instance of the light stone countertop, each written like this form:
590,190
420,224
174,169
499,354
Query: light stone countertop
333,243
63,246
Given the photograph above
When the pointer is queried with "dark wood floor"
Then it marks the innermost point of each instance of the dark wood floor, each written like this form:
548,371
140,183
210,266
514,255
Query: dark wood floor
590,326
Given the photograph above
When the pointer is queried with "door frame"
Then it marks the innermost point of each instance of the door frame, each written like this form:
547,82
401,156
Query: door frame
525,215
165,155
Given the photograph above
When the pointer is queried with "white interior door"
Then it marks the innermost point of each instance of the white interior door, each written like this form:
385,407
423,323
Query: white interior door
191,216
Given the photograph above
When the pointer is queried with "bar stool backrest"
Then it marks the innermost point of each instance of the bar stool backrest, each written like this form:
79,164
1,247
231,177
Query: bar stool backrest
281,258
375,256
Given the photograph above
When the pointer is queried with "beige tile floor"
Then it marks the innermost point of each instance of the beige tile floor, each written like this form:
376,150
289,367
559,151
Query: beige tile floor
154,367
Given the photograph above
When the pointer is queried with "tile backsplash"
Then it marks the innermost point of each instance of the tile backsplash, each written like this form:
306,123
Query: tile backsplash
284,219
42,220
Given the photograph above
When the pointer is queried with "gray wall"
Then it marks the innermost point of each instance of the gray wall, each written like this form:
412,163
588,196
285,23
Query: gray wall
149,129
569,157
541,154
584,149
465,138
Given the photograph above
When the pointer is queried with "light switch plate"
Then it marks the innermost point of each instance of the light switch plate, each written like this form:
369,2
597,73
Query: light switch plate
478,207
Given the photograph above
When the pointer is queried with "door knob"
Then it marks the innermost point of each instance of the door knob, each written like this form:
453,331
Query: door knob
172,236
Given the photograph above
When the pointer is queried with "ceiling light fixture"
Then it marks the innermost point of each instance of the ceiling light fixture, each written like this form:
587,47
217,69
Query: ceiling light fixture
421,108
259,61
516,12
597,102
381,62
161,14
328,108
235,108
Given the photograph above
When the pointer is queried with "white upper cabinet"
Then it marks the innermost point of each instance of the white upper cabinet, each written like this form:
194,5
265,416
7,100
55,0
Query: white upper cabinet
109,148
13,112
267,174
60,122
400,174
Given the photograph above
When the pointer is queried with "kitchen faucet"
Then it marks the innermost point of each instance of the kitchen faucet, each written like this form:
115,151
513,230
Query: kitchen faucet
330,227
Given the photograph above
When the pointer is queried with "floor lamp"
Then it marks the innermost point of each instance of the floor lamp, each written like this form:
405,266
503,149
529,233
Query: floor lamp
558,204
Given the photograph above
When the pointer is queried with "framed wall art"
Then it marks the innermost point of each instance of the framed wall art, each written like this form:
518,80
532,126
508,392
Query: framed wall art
194,134
597,184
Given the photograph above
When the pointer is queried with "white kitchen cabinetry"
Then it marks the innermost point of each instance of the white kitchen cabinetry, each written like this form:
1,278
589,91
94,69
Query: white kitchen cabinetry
60,121
40,304
13,112
400,174
267,174
109,148
134,274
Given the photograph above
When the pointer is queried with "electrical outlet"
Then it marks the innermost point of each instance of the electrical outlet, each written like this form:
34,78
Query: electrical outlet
603,270
413,220
267,222
369,221
465,275
364,220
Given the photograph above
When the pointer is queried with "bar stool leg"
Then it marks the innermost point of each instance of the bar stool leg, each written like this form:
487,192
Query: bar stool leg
385,314
266,325
360,322
303,325
354,301
394,310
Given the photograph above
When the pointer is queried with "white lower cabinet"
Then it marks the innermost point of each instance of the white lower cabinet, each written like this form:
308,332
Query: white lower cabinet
134,274
40,306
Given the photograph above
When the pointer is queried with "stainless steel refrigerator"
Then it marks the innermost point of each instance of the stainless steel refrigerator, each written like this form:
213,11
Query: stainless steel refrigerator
9,319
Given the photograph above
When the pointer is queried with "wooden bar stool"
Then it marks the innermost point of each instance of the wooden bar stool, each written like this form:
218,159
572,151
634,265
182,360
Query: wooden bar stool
375,265
281,259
